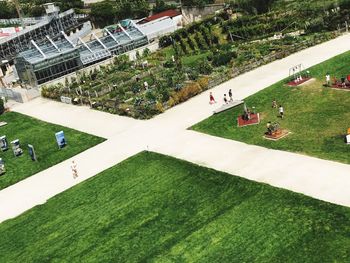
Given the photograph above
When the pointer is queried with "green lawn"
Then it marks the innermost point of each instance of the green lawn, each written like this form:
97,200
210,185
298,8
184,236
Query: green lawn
317,117
154,208
42,136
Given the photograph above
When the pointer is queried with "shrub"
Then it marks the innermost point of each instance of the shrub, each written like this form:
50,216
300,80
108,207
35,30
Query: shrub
205,67
203,82
169,64
191,43
183,46
146,52
171,102
189,91
165,41
177,50
159,107
192,74
200,41
164,94
2,107
206,34
122,62
223,58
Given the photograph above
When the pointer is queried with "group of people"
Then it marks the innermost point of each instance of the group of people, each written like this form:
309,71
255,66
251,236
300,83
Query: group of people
225,99
344,81
280,108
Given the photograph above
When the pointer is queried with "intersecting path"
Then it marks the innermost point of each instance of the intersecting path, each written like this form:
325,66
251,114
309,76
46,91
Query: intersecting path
168,134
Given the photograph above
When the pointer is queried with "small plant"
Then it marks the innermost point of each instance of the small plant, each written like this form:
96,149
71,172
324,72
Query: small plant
2,106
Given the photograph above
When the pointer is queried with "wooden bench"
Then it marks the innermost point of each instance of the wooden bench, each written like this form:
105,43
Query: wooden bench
229,105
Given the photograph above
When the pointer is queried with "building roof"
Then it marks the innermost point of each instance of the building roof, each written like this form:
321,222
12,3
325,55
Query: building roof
168,13
157,27
89,51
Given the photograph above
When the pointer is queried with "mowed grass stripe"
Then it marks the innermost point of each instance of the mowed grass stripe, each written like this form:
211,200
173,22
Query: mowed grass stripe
154,208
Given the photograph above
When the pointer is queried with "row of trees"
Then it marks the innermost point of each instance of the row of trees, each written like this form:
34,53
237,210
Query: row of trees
7,10
252,6
105,13
197,3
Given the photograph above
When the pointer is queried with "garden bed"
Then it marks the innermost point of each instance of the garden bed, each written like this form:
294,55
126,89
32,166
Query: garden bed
192,60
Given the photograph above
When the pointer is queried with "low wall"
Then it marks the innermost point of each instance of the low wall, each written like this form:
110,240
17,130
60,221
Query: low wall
19,94
192,14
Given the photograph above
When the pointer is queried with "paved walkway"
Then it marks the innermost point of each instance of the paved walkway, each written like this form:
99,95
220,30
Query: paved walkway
166,133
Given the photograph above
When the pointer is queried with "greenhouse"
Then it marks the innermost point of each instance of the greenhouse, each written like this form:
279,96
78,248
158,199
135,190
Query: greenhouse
56,58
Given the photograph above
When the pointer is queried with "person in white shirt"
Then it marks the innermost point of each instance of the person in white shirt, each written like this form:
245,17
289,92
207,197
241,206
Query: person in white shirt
347,138
328,79
281,111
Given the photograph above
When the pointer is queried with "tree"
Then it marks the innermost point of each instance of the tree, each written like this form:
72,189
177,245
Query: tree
197,3
7,10
255,6
102,13
161,6
132,9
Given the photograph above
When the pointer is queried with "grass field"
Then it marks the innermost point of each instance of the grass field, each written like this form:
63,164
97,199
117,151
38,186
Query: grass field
42,136
317,117
154,208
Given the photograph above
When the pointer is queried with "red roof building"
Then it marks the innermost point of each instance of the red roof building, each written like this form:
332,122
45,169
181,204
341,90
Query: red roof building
168,13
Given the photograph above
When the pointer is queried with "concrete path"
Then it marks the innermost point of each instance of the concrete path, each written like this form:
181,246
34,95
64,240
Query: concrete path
321,179
76,117
166,133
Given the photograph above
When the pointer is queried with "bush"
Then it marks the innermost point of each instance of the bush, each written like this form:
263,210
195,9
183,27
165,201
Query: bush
159,107
223,58
146,52
2,107
189,91
165,41
191,43
183,46
201,43
169,64
203,82
205,67
192,74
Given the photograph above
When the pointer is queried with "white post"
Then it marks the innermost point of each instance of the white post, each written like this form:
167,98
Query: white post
85,45
37,47
126,33
99,41
53,43
66,37
111,35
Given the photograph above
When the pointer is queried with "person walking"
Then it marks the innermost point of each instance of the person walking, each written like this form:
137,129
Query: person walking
328,79
274,104
281,111
74,170
211,98
230,95
225,99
